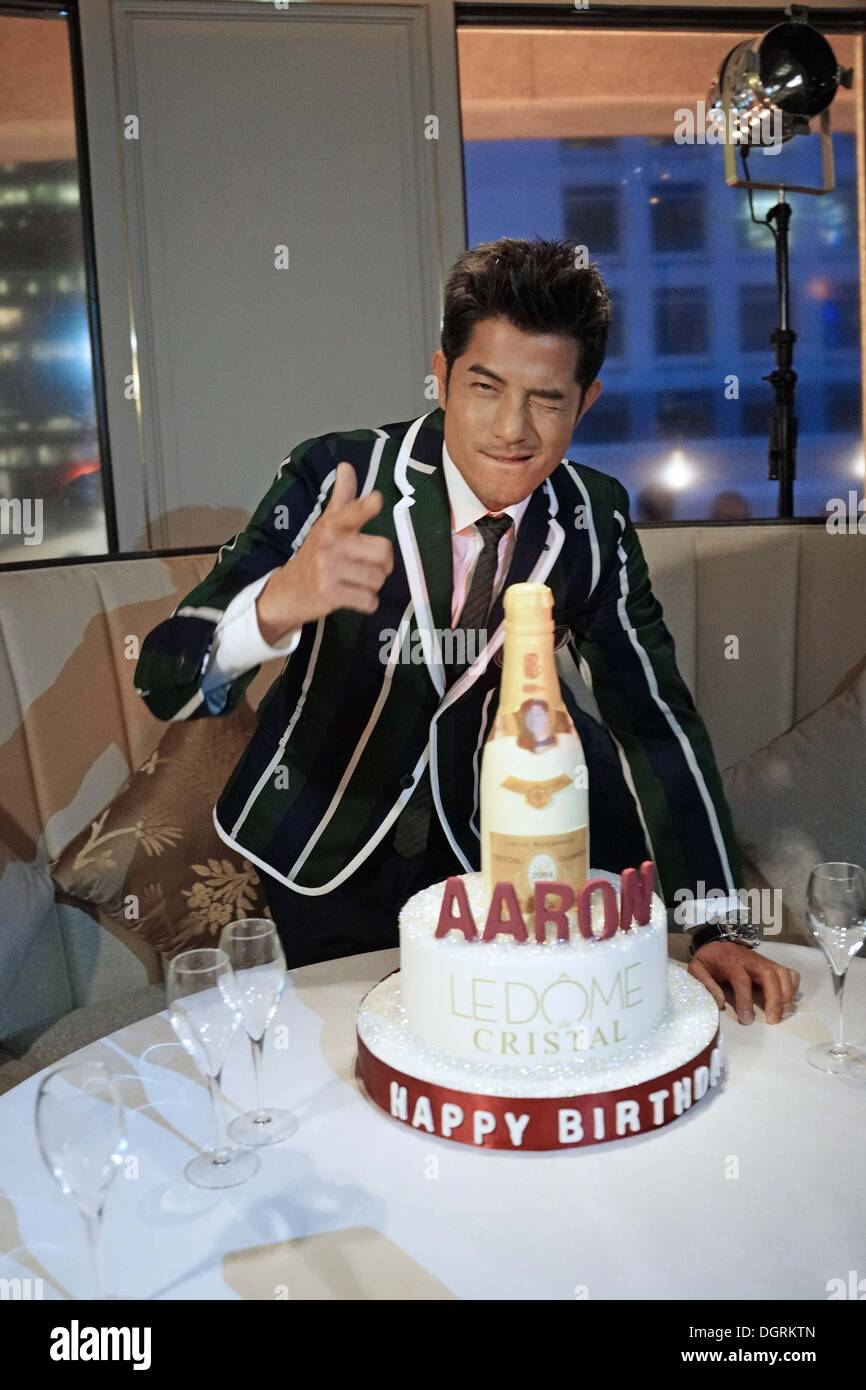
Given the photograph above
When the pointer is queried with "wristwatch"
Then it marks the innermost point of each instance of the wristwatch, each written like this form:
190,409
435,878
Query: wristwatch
741,933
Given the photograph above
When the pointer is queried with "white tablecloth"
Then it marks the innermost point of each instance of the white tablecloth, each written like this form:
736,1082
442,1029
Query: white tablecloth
755,1194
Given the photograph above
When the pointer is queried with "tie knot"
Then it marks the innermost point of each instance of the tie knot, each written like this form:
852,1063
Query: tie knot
493,528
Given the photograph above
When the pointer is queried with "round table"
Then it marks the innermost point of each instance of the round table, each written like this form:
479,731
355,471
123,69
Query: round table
754,1194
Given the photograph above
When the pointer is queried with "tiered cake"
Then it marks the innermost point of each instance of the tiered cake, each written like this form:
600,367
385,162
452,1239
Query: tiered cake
529,1013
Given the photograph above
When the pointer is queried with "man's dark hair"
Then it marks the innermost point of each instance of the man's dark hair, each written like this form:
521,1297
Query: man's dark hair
535,285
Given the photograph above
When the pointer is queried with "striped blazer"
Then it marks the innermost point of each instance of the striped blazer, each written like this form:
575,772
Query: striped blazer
347,727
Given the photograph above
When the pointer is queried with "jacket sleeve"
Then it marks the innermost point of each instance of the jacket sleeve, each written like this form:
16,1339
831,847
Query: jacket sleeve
627,656
175,654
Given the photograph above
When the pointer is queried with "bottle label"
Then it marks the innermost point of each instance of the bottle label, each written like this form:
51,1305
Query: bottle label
534,725
525,860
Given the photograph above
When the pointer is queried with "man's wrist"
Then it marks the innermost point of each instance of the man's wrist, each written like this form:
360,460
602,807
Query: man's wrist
238,641
272,628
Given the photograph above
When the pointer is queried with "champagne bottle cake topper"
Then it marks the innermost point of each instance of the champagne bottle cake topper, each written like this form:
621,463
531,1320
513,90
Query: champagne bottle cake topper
534,781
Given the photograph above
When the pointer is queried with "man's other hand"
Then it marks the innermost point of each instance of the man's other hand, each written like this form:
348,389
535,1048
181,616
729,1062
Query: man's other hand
743,971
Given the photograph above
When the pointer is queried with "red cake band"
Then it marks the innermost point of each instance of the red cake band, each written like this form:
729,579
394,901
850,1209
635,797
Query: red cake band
539,1122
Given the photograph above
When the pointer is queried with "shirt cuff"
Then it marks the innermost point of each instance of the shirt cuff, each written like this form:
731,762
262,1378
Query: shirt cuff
215,687
238,642
238,645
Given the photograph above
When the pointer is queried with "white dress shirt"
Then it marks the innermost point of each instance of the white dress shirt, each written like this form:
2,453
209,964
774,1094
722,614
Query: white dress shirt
238,642
466,540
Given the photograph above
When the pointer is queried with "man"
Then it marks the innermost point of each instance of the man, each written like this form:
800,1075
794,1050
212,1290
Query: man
360,784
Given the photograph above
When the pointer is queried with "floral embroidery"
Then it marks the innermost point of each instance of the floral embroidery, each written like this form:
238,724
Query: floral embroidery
226,894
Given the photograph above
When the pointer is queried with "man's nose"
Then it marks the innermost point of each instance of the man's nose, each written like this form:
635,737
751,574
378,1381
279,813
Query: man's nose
512,424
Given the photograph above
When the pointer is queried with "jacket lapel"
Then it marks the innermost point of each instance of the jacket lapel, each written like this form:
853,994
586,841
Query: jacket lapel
422,521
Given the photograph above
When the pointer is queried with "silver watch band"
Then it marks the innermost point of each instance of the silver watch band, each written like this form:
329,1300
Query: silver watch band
741,933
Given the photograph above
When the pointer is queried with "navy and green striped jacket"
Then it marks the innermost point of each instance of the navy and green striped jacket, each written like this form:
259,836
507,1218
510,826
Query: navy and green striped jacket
344,732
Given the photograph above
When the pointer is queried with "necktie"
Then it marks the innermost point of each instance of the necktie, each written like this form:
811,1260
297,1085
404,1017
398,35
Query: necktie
477,605
410,836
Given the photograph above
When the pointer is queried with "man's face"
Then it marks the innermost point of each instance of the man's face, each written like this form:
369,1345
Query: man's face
511,406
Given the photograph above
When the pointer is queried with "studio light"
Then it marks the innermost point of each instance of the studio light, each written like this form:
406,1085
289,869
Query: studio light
792,68
767,91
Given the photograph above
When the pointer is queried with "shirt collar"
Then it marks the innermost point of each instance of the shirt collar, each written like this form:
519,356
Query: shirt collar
466,508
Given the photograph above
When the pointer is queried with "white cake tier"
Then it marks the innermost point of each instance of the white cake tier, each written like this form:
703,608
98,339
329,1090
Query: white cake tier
689,1022
521,1004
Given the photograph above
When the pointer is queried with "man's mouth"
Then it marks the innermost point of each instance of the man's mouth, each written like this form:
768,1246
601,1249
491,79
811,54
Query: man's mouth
509,458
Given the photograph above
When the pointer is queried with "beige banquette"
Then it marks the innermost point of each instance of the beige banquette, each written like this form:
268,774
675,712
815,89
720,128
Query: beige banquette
72,727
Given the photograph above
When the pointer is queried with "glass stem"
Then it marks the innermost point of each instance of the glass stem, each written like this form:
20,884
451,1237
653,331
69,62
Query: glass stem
839,1049
222,1153
258,1046
93,1222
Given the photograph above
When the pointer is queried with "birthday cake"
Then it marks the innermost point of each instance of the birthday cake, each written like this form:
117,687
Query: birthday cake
485,992
535,1006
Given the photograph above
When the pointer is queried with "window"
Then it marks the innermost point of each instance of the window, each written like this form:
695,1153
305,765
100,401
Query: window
842,406
681,322
592,219
51,480
682,415
840,318
616,336
592,143
608,419
825,224
753,410
836,217
677,219
759,315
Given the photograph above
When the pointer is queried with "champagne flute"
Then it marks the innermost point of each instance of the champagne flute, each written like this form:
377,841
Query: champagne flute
82,1138
254,949
837,920
204,1013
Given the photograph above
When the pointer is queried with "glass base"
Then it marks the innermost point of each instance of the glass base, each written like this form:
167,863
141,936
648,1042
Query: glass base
238,1167
260,1127
851,1061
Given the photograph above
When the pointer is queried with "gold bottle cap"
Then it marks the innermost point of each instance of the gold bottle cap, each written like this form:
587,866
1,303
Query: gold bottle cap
528,607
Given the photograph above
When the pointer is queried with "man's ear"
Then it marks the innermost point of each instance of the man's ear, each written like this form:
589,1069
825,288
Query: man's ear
440,371
590,396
